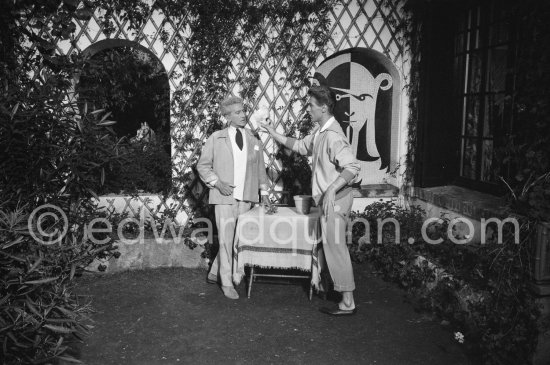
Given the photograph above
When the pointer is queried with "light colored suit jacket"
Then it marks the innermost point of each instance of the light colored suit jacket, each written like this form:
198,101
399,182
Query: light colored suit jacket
216,162
332,158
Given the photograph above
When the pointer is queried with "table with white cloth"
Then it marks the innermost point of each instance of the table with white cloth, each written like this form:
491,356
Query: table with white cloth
285,239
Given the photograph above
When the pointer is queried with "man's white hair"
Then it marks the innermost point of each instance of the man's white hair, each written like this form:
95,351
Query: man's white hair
227,102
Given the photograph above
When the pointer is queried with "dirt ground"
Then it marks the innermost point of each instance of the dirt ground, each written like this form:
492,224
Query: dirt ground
172,316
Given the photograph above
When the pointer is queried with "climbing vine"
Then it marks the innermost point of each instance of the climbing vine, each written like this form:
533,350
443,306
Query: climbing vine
222,47
409,35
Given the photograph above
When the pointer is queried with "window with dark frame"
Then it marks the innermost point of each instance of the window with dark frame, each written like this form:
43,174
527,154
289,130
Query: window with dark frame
484,79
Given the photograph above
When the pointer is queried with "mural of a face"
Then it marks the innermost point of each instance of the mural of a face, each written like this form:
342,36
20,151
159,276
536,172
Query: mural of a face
357,92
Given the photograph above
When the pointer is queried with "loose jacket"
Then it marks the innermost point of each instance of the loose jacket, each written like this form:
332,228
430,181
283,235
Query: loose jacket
216,162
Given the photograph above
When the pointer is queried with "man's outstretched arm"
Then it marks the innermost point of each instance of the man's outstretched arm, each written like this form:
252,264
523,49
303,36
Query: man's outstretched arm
302,146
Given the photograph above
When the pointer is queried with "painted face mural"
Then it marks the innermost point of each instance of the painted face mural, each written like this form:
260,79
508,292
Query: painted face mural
363,101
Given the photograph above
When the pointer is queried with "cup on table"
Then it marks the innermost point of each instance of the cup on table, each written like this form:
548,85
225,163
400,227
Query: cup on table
302,203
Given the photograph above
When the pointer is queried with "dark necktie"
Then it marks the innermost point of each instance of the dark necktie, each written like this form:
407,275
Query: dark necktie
239,139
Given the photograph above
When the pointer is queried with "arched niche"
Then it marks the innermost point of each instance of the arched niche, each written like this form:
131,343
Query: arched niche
128,80
368,91
161,84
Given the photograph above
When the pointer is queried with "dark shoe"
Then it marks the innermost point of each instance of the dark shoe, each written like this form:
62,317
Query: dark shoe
211,279
336,311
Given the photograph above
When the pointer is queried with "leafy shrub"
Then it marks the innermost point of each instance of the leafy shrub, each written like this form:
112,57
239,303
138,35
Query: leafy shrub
481,290
51,154
410,223
39,314
141,167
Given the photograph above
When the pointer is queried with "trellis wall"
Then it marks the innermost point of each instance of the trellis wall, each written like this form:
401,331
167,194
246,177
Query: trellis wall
354,23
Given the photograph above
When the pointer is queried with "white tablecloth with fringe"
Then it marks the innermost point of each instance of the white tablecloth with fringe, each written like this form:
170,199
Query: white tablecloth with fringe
283,240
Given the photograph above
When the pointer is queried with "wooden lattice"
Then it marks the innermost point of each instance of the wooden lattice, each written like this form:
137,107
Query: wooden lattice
354,23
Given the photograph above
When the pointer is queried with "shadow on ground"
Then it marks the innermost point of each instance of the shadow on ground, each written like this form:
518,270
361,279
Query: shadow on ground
171,316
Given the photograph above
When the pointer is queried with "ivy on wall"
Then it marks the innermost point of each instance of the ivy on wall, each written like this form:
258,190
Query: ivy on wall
215,34
408,30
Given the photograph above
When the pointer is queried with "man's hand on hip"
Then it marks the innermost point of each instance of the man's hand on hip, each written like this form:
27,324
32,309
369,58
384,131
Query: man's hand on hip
330,195
328,201
224,188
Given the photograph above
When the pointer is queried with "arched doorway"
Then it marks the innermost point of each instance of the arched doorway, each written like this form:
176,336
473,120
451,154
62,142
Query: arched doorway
128,81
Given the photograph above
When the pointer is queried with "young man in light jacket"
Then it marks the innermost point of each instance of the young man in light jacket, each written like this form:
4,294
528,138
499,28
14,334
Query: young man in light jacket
334,167
232,166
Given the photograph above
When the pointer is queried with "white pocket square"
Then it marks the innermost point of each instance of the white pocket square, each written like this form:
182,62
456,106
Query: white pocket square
256,148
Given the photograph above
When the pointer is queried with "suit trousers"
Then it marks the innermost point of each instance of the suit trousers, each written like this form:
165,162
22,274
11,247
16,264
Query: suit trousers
335,249
226,219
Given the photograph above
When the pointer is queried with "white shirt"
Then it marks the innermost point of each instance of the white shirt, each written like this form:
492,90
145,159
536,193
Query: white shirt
239,168
324,128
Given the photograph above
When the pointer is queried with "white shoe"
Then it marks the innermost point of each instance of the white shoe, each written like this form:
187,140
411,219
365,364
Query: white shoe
230,292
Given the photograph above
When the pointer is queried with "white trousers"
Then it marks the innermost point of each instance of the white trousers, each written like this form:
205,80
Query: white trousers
226,219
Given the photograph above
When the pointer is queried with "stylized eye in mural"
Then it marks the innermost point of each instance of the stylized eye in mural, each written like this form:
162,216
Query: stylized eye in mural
363,87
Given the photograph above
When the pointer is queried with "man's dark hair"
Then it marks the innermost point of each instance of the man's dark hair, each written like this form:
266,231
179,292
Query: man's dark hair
323,95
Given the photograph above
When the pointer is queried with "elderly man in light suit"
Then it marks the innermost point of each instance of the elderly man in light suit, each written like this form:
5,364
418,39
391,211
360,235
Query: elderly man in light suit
232,166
